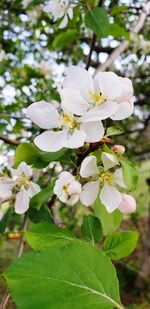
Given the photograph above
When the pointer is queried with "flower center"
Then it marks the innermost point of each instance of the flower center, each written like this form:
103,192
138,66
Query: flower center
106,177
97,97
23,181
69,121
65,187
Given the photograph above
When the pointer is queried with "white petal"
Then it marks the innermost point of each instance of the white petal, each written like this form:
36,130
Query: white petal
64,22
25,169
70,13
128,204
43,114
22,202
72,101
33,189
73,199
89,167
6,186
76,140
89,193
104,111
125,110
118,178
79,79
64,178
51,141
110,197
111,85
94,131
74,188
108,160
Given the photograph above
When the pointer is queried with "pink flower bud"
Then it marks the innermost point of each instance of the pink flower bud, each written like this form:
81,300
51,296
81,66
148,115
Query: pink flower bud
128,204
119,150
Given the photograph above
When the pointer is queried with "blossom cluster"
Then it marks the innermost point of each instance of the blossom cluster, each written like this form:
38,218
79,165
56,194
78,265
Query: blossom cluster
85,102
103,180
19,186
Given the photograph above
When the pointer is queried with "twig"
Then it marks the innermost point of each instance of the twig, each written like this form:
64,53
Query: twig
9,141
7,295
124,45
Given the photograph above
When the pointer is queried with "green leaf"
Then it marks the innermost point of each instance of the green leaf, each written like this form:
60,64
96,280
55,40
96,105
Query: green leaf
114,131
120,244
105,148
64,38
28,153
96,19
118,32
42,215
77,275
110,222
33,156
39,199
44,235
130,175
119,9
91,229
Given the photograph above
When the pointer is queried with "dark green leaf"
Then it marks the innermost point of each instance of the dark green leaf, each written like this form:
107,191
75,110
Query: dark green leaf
39,199
91,228
96,19
76,275
42,215
120,244
44,235
5,220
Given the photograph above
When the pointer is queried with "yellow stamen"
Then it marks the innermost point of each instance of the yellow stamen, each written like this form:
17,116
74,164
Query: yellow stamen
69,121
106,177
65,187
23,181
97,98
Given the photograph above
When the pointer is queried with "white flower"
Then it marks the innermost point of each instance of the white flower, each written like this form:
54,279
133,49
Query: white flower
73,133
25,3
2,55
67,188
20,185
104,181
128,204
59,9
105,95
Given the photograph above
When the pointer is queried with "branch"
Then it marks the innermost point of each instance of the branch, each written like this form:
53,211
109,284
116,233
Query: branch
9,141
124,45
7,295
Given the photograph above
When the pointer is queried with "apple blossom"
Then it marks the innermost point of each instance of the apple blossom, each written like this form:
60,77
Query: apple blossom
59,9
127,204
20,186
67,188
103,180
72,132
106,95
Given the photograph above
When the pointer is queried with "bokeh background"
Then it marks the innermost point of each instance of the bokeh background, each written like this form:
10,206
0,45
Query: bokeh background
34,57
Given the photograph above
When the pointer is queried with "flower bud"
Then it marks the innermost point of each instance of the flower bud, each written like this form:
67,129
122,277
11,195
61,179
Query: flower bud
119,150
128,204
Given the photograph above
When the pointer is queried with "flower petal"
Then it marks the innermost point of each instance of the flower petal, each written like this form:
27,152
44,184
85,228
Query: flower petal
110,197
33,189
72,101
25,169
51,141
74,188
125,110
22,202
104,111
73,199
64,22
108,160
76,140
43,114
94,131
89,193
79,79
89,167
70,13
118,178
128,204
6,186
